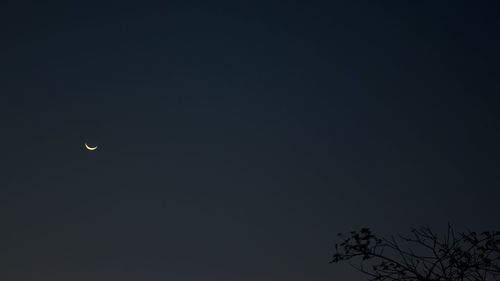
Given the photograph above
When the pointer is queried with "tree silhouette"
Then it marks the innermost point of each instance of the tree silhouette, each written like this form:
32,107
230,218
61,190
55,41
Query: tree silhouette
423,255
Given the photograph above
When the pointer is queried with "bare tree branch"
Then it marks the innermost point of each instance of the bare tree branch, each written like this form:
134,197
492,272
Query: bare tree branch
424,255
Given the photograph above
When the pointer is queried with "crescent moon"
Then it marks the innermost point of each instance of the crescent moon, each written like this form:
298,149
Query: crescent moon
90,147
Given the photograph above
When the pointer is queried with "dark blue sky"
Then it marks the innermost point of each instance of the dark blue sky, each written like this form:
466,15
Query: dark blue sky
237,138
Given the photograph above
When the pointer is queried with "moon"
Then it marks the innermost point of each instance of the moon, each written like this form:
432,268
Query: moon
90,147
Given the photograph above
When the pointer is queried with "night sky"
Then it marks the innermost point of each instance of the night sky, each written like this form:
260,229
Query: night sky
237,138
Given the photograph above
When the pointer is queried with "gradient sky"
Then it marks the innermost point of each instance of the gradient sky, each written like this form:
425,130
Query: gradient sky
237,138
